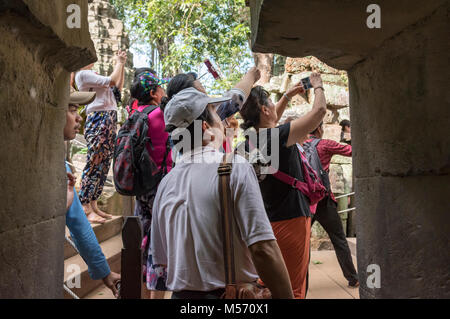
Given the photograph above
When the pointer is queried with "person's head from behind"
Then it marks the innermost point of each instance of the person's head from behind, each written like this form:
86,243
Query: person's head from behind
139,71
180,82
318,132
88,67
345,125
259,111
146,88
191,115
73,119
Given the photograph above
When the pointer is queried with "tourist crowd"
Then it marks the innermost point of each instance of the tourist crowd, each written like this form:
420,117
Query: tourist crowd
216,220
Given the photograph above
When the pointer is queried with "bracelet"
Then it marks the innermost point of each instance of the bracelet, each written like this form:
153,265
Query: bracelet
287,97
319,87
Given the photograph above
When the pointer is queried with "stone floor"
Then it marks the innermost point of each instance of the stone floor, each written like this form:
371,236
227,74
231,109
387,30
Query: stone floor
326,280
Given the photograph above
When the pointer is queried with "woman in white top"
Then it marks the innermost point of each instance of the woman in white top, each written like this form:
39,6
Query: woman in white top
99,132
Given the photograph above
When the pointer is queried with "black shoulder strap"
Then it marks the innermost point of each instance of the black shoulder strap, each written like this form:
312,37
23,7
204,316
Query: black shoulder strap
149,109
324,176
164,162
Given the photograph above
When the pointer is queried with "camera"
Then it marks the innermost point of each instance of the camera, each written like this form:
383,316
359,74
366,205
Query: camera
306,83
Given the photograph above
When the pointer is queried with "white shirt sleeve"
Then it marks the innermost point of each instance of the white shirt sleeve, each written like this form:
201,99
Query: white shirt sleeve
238,92
250,214
91,79
158,247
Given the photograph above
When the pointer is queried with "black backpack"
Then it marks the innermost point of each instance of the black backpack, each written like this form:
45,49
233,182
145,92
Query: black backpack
135,171
310,148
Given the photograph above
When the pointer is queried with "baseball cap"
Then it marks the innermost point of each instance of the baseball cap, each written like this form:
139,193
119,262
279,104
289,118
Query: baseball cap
186,106
81,98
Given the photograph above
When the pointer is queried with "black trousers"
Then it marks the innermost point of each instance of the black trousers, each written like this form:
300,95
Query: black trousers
328,217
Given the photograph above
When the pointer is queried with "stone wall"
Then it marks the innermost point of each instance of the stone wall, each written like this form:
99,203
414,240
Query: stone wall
402,161
37,52
337,95
399,97
108,35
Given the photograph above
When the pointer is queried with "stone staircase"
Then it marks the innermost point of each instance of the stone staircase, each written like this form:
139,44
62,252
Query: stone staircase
110,239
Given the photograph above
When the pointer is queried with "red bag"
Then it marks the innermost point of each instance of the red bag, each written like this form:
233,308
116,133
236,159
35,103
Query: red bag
312,187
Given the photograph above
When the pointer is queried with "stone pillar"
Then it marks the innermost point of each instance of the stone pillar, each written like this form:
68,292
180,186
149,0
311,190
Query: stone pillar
108,34
398,79
37,52
400,129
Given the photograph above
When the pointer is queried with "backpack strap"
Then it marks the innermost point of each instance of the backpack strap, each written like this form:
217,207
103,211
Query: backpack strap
315,142
323,175
149,109
227,209
291,181
164,162
283,177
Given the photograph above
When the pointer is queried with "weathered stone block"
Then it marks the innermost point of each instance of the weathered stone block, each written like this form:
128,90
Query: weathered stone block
274,84
337,179
37,51
343,114
332,132
310,63
295,111
331,117
339,159
337,96
402,129
402,226
31,260
347,171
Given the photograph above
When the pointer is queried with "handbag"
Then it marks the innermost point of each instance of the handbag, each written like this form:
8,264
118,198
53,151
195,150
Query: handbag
233,290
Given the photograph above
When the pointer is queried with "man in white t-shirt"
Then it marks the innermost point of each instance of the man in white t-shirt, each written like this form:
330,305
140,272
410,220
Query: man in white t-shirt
186,228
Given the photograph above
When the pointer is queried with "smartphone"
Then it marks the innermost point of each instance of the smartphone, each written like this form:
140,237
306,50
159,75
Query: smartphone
306,83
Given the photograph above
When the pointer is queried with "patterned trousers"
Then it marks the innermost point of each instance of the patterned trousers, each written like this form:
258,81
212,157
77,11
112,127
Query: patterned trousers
100,134
155,276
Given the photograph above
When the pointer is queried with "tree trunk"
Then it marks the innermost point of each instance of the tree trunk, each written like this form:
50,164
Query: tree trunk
264,63
163,48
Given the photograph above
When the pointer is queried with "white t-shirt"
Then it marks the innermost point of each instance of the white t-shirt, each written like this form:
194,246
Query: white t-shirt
88,80
186,224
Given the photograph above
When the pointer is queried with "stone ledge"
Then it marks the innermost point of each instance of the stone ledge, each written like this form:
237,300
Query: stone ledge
71,50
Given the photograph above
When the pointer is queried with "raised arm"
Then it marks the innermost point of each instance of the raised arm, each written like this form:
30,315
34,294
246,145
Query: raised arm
229,108
301,127
117,76
247,82
283,102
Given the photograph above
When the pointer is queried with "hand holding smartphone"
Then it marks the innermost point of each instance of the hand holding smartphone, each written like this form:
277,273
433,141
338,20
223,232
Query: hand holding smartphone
306,82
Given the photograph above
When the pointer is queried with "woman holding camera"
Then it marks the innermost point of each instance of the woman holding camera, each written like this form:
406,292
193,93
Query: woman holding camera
286,207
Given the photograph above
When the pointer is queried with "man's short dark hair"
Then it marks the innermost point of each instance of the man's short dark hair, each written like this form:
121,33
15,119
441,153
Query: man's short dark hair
344,123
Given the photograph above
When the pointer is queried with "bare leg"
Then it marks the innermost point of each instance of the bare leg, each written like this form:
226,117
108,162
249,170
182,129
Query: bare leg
91,216
156,294
98,211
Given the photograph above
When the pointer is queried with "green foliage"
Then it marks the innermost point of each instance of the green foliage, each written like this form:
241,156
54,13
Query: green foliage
185,32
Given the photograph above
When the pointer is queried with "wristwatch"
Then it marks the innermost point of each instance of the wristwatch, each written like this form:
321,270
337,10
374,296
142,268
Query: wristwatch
287,97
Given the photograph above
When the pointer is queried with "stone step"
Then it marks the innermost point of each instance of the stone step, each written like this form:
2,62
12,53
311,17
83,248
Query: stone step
111,248
103,232
101,292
